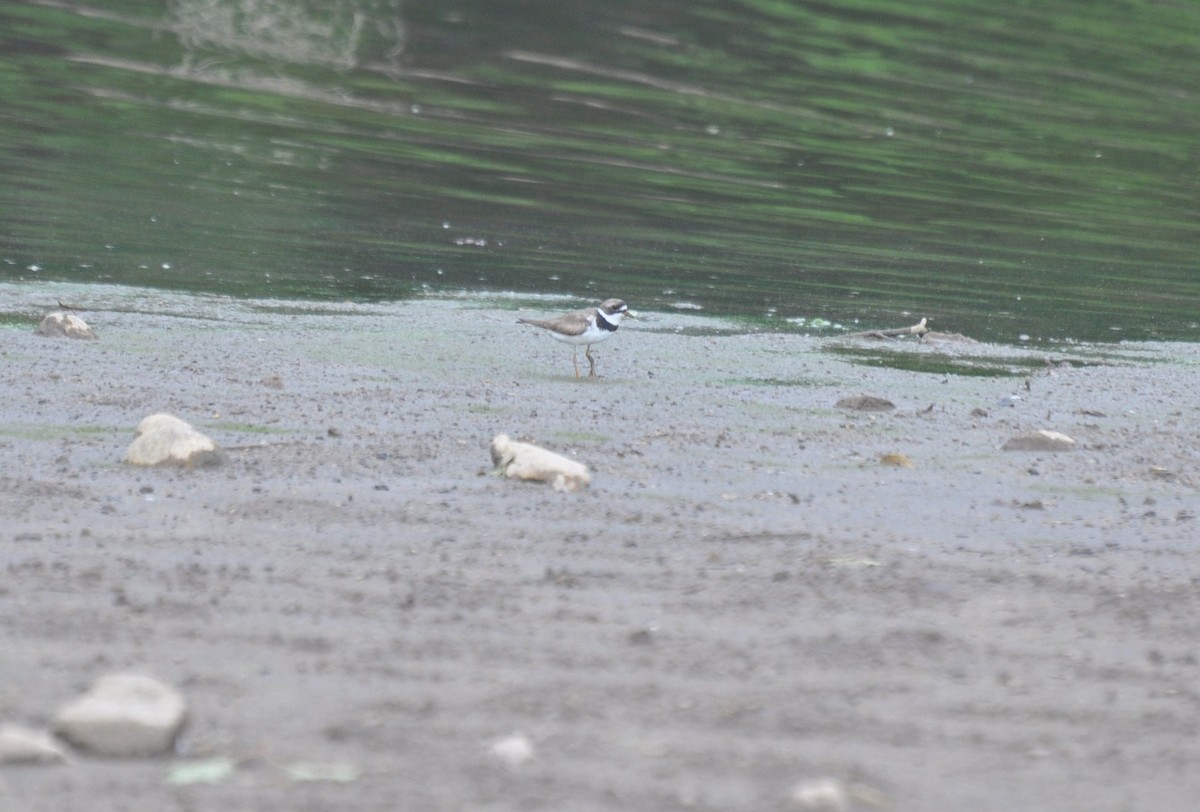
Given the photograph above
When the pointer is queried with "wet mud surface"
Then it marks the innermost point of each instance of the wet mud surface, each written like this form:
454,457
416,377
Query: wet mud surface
744,598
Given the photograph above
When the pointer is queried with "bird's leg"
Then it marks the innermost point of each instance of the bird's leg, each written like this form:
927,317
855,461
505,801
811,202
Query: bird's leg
575,360
591,361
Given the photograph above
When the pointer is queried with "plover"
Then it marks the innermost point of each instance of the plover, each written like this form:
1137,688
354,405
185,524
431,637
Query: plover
585,327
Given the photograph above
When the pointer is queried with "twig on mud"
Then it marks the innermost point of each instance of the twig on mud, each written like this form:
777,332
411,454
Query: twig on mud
259,446
919,329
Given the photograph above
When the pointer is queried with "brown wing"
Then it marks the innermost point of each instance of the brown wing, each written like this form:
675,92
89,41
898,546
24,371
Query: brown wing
568,324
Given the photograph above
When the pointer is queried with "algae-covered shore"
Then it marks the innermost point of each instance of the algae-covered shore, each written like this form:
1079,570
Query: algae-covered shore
744,599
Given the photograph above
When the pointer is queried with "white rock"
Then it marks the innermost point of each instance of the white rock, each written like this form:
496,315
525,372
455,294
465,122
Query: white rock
1042,440
124,714
164,439
25,745
66,325
821,795
512,751
530,462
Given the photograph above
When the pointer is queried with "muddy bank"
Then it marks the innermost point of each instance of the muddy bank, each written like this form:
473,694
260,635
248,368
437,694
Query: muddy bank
743,599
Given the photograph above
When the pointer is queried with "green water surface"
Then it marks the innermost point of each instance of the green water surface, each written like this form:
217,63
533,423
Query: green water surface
1015,171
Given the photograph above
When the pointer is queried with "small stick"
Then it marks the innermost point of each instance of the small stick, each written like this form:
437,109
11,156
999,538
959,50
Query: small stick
919,329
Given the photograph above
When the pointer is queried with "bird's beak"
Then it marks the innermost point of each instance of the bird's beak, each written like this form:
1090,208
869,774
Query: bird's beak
629,314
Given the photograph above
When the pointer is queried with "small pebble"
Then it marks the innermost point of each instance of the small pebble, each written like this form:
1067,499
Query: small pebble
25,745
821,795
512,751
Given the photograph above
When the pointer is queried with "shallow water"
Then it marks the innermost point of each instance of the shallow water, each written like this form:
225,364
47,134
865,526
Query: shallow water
1014,172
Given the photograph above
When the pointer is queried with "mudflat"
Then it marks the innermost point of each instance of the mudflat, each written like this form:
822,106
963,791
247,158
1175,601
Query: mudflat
746,598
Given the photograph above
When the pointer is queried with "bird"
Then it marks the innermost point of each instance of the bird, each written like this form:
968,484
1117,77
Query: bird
585,327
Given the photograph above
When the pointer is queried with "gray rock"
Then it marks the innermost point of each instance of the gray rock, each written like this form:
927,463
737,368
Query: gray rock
64,325
1042,440
164,439
124,714
25,745
865,403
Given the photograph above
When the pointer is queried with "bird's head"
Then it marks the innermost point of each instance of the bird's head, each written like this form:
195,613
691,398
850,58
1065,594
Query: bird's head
615,309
